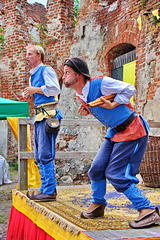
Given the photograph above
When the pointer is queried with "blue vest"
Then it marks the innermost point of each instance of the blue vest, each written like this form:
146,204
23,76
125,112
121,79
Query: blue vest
37,81
108,117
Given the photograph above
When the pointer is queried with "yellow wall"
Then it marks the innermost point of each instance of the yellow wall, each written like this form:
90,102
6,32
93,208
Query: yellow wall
129,74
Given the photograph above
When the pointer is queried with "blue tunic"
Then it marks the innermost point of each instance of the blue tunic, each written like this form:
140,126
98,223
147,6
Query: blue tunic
38,81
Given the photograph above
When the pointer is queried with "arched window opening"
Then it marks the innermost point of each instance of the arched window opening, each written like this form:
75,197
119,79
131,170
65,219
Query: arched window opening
124,63
122,54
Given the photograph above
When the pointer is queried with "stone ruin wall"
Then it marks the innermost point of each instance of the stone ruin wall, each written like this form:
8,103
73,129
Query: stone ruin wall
104,30
19,21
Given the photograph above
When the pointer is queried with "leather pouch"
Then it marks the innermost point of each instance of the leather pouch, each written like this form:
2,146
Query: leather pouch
52,125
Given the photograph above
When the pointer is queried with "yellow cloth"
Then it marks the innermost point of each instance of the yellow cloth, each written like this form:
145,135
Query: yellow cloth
139,20
72,200
33,171
129,74
155,13
40,116
53,224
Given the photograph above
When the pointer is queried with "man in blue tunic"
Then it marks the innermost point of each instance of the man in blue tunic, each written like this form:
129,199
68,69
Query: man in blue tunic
43,90
122,150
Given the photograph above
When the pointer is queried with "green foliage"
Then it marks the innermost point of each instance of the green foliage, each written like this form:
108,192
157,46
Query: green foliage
1,39
142,3
43,35
76,9
43,29
1,30
3,219
155,19
15,166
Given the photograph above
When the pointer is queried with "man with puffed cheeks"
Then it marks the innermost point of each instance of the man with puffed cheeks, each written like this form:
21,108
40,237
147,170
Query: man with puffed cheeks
122,150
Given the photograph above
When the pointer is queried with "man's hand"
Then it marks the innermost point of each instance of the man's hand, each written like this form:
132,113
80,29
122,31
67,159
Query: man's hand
107,104
83,111
28,98
28,91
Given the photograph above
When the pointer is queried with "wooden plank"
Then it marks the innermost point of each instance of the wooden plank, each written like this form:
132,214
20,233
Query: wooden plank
67,122
25,121
81,122
154,124
67,155
22,164
26,155
124,234
61,155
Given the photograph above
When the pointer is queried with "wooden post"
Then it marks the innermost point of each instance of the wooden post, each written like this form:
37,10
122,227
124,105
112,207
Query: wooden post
22,163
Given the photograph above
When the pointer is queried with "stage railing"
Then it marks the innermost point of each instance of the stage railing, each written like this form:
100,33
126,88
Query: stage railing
23,155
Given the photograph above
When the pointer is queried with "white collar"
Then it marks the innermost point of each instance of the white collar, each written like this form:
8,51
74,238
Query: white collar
85,91
36,68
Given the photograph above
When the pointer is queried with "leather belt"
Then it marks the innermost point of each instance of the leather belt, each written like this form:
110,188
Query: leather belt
123,125
45,108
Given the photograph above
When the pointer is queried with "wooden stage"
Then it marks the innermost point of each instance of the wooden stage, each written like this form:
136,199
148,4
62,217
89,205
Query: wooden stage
148,233
30,219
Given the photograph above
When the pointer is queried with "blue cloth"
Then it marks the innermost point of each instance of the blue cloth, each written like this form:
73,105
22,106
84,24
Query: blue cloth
118,162
99,191
108,117
51,87
44,150
37,80
48,177
138,199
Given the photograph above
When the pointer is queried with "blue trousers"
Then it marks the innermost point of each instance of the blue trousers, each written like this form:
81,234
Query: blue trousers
44,149
119,163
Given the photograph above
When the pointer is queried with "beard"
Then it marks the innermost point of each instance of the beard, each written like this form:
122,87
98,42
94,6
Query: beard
71,83
67,85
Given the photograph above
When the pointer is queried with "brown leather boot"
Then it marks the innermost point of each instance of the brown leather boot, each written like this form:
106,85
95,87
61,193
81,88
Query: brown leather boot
147,217
95,210
42,197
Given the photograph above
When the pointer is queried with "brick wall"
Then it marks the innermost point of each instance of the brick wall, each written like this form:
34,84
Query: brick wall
104,30
60,26
18,19
116,24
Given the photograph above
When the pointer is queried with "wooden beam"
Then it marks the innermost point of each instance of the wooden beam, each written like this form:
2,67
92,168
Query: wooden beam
22,163
61,155
81,122
67,122
25,121
154,124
